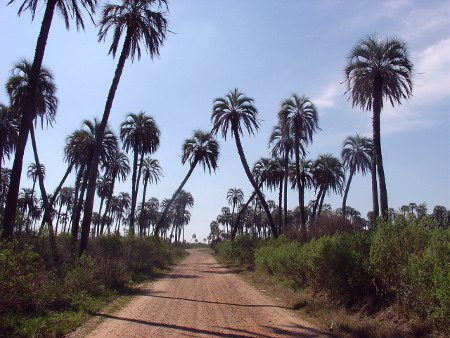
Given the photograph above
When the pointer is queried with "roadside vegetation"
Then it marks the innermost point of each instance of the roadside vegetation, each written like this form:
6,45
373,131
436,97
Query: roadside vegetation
391,281
40,299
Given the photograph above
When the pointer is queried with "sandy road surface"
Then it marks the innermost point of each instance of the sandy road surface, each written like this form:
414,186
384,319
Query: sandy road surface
200,298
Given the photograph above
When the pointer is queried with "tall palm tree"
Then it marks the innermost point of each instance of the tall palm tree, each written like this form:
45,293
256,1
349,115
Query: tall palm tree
140,134
30,103
300,117
141,24
201,148
183,201
357,157
328,176
123,203
225,218
232,113
151,171
379,70
9,131
32,173
116,167
64,198
44,106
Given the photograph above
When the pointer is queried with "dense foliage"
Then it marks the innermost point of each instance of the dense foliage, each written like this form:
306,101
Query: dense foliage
404,262
36,297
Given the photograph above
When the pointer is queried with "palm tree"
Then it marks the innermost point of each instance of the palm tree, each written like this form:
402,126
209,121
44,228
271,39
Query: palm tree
64,198
201,148
140,134
44,106
32,173
235,197
298,116
151,170
116,167
225,218
140,24
29,101
233,112
103,191
378,70
329,176
183,201
356,156
9,131
282,142
123,203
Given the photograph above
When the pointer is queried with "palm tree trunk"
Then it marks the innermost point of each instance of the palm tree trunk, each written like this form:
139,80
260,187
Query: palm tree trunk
141,221
89,205
286,177
252,180
321,202
79,206
100,215
301,190
316,203
57,218
377,99
280,198
347,188
373,173
26,123
166,209
133,190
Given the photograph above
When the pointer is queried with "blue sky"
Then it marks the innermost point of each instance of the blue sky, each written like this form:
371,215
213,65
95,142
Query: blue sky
269,50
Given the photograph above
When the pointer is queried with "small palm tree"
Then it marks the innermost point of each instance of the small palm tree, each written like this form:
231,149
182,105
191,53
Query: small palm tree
356,156
235,197
152,171
140,23
201,148
328,176
232,113
379,70
103,191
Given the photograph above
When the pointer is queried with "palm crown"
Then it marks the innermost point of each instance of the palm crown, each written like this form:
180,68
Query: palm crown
201,148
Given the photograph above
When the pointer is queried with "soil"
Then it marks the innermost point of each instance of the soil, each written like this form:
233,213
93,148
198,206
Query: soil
201,298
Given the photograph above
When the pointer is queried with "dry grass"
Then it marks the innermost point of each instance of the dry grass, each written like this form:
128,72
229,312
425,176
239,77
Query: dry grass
338,317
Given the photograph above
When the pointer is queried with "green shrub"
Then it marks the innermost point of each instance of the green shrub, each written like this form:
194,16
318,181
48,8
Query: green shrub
410,261
241,251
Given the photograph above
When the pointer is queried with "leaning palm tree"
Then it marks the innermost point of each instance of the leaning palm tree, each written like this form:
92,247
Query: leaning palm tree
201,148
141,24
67,8
140,134
232,113
9,131
152,171
379,70
300,117
356,157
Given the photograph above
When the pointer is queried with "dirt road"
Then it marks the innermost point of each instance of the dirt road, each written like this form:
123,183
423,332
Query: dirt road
200,298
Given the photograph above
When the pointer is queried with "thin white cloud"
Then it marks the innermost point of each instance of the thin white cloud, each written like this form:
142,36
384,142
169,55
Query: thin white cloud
328,96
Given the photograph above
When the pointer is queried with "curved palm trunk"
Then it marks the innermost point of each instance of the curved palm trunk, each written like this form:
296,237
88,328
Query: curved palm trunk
377,99
102,199
238,218
316,203
347,188
26,122
166,209
273,228
89,205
